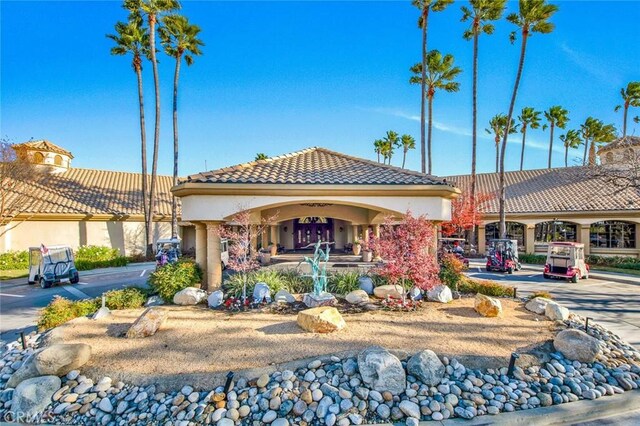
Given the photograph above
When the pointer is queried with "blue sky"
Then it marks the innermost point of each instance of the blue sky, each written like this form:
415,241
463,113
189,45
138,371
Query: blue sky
281,76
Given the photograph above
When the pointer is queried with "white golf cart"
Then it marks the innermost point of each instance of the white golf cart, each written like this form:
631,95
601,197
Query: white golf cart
168,250
565,260
52,265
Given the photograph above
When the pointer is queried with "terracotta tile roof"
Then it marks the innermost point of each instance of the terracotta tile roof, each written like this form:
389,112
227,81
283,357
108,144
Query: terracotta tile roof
625,142
43,145
89,191
553,190
315,166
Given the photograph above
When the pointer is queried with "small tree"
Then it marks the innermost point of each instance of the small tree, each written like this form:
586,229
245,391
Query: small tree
465,214
241,259
16,174
405,248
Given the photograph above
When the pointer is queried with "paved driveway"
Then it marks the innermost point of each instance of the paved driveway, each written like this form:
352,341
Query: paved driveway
20,302
614,305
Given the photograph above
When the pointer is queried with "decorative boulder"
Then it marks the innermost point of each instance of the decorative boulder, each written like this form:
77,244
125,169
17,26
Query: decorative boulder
323,319
426,366
313,300
440,293
148,323
154,301
366,283
556,312
577,345
283,296
487,306
261,293
357,297
189,296
32,396
415,294
381,370
58,360
389,290
538,305
26,371
215,299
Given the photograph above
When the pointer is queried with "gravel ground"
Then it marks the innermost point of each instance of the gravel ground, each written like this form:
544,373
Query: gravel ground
198,345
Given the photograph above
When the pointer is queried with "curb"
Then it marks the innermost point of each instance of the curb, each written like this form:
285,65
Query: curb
564,414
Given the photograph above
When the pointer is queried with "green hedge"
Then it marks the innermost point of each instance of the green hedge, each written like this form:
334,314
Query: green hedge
534,259
14,260
92,257
171,278
61,310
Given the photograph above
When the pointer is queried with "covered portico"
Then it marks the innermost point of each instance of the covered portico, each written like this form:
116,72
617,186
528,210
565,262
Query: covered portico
311,194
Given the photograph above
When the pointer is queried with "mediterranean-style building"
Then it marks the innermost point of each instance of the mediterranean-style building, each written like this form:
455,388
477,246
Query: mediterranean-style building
317,193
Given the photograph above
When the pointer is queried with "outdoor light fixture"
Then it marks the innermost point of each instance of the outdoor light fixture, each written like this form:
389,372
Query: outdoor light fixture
286,229
512,363
515,292
227,384
586,325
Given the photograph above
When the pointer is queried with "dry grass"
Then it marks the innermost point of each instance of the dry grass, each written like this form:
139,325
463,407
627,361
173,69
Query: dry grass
198,345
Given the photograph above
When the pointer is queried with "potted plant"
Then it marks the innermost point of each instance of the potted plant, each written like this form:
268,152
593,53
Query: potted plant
367,253
356,247
273,248
265,256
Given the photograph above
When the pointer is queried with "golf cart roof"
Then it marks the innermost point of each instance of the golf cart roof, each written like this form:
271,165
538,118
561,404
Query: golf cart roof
53,247
503,239
168,240
565,244
452,239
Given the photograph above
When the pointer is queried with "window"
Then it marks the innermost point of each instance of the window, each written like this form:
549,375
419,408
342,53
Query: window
628,154
57,160
555,231
613,234
515,231
609,158
38,158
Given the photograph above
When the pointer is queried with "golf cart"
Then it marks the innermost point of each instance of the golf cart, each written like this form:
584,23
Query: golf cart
503,256
167,251
52,265
454,246
566,261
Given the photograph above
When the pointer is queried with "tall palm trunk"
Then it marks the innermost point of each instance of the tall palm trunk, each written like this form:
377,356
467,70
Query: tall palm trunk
592,153
156,135
502,203
378,156
497,154
430,96
423,84
474,142
404,158
550,144
586,147
174,204
524,138
143,153
624,119
566,154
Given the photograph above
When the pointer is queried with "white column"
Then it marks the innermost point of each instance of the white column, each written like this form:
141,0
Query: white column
201,250
214,259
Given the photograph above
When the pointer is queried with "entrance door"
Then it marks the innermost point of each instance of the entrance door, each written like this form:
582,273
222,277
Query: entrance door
309,230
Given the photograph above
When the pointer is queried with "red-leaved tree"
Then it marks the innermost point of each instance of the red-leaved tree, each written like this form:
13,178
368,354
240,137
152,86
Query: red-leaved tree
240,233
405,248
465,214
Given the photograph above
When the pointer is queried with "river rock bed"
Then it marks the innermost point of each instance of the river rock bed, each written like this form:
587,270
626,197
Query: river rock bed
333,392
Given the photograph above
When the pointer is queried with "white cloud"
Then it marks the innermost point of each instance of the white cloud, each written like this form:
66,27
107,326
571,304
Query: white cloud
593,66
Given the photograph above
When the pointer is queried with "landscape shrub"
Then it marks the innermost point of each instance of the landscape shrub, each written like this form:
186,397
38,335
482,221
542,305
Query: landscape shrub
343,282
171,278
91,257
544,294
621,262
489,288
534,259
14,260
61,310
451,270
296,282
378,280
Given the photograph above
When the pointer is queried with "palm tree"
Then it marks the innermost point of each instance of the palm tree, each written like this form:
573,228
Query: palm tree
408,142
497,127
385,151
532,17
378,147
153,9
440,75
180,40
595,132
481,12
571,139
588,130
557,117
423,22
132,38
529,118
391,141
261,156
630,97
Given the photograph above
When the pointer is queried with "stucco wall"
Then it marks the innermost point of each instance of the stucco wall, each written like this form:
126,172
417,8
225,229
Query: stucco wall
127,237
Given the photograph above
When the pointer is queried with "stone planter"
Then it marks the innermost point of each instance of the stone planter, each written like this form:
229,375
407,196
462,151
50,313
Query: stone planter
265,258
356,249
367,256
